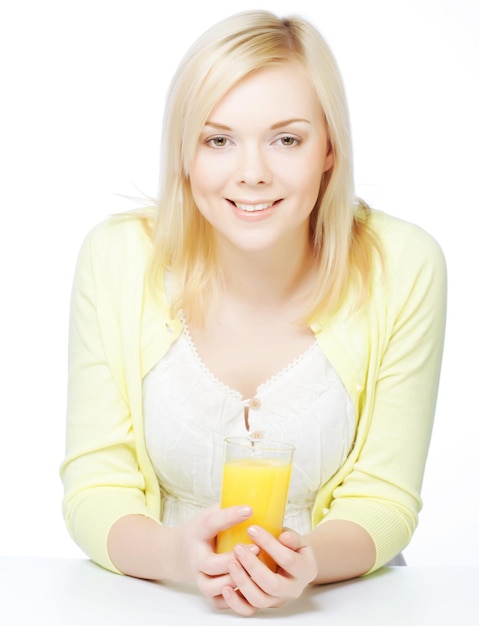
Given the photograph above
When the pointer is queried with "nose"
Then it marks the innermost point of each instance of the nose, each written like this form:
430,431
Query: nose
253,167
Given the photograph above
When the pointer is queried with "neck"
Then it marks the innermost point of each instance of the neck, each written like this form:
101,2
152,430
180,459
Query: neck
265,278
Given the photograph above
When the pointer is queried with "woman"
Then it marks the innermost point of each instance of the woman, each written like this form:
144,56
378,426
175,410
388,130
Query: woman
260,297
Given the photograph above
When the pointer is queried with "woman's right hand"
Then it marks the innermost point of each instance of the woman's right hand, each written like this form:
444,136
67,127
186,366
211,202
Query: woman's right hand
139,546
197,560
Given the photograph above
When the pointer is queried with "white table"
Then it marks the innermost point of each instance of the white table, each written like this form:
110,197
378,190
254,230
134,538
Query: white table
76,592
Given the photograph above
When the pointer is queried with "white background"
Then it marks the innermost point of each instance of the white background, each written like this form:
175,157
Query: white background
82,90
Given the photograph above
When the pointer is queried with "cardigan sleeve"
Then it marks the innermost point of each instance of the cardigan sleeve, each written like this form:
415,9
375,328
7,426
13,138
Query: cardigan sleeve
381,491
100,472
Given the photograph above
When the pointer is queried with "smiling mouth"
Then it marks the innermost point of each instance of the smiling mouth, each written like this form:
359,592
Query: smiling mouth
253,208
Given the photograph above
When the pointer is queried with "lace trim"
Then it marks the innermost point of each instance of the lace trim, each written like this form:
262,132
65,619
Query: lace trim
272,379
294,363
202,364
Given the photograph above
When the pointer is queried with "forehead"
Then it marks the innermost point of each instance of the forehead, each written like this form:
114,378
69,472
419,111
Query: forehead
275,93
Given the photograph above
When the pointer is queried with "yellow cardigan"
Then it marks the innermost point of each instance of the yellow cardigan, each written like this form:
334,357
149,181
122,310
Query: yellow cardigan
388,355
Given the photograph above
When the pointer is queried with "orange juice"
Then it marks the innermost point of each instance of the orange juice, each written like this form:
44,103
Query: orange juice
261,483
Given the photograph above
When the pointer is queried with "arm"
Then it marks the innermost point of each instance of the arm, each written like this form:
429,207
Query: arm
342,550
380,491
134,543
140,547
374,507
105,503
100,471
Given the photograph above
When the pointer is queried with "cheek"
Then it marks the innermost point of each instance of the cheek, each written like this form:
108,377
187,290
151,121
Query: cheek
206,176
304,177
312,172
306,164
196,175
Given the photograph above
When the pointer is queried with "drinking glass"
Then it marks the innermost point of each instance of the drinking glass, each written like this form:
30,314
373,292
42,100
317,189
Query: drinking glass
256,472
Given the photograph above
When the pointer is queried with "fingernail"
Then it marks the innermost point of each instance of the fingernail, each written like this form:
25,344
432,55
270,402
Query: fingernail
240,550
253,531
245,511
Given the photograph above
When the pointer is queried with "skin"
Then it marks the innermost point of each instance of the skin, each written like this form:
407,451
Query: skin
265,144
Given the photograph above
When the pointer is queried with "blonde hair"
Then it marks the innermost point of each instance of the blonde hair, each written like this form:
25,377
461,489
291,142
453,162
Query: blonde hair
220,58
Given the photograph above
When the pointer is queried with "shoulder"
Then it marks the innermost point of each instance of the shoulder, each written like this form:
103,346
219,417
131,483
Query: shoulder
406,246
413,272
398,235
114,255
132,229
118,241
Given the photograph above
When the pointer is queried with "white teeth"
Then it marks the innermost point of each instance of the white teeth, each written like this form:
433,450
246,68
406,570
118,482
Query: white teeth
253,207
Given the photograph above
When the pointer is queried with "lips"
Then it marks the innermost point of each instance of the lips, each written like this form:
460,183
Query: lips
253,207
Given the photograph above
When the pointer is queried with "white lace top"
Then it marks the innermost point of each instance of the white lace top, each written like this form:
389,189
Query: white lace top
188,412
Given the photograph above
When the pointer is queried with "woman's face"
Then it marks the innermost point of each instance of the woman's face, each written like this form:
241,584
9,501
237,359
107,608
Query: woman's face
257,169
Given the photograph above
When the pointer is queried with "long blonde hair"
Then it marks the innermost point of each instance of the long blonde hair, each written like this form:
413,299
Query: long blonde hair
183,242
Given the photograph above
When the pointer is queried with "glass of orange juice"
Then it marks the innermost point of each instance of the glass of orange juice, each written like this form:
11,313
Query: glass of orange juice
256,472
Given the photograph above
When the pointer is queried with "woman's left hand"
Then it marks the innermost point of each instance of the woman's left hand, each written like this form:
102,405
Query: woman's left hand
256,586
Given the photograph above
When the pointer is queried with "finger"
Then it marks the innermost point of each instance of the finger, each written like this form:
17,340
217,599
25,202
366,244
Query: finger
252,574
285,557
220,603
294,556
290,539
249,587
217,564
217,519
212,586
234,600
266,541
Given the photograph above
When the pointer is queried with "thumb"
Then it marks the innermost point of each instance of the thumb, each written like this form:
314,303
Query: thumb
221,519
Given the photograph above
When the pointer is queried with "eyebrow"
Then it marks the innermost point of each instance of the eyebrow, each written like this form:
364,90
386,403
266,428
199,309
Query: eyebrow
273,127
291,121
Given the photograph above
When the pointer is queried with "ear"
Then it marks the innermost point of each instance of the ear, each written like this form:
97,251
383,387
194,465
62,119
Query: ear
329,160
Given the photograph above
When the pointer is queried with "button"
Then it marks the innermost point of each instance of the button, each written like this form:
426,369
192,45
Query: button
257,434
254,403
